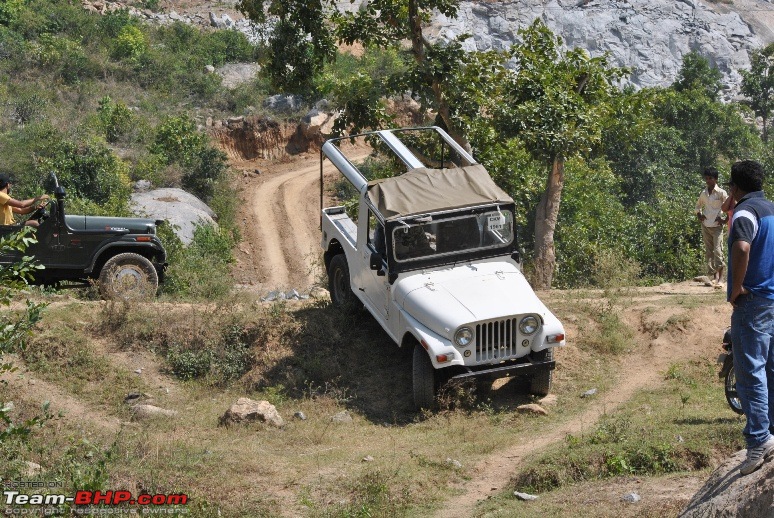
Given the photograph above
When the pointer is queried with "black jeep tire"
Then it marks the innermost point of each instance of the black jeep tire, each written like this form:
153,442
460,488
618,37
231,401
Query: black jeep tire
339,284
541,382
424,379
128,276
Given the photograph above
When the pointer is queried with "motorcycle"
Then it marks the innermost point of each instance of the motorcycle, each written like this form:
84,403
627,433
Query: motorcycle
728,375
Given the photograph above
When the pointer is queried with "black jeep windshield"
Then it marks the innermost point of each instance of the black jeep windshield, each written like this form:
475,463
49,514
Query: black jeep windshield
424,238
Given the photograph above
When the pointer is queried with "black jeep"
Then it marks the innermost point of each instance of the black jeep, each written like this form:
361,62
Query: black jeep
123,254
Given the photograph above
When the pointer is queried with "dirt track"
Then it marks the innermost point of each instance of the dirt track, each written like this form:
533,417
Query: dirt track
280,223
281,239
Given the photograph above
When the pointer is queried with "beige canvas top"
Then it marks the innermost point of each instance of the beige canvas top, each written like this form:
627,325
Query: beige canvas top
430,190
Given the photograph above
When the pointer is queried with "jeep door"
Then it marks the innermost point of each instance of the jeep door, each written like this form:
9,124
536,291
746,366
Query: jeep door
374,286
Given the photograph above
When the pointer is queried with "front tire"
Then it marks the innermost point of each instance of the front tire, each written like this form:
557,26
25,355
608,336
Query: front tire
339,284
128,276
541,382
424,379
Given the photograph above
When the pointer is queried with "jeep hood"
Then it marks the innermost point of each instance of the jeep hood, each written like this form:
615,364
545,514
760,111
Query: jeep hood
133,225
445,299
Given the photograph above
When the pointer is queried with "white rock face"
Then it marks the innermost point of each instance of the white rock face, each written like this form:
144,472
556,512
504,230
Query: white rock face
180,208
648,36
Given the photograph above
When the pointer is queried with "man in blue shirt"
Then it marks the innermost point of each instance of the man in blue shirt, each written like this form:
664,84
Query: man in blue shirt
751,292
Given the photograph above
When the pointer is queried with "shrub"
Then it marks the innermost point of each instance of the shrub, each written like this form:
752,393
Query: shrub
131,43
205,169
89,170
116,118
9,10
178,140
66,58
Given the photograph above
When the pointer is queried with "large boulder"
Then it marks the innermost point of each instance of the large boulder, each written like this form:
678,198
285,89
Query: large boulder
181,209
728,494
246,409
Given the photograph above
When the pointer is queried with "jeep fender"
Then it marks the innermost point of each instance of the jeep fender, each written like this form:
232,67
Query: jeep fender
551,327
433,343
150,251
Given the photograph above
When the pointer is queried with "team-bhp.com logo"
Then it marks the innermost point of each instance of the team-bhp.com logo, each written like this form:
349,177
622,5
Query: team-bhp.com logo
94,498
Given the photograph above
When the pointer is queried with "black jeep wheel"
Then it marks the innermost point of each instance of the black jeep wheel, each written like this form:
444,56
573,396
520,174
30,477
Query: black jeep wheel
338,281
424,379
128,276
541,382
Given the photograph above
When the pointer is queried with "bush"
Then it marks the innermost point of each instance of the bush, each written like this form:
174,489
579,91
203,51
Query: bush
201,175
178,140
201,270
88,170
9,10
131,43
66,58
116,118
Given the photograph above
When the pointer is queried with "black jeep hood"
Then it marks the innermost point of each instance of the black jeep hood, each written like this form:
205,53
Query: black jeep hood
133,225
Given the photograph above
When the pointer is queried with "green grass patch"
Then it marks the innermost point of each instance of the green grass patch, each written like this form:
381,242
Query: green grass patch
679,427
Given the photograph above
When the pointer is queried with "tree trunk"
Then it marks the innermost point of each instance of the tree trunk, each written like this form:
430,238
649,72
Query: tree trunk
546,216
418,43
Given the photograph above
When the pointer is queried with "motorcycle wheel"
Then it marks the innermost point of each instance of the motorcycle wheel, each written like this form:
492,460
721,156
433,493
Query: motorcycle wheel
731,395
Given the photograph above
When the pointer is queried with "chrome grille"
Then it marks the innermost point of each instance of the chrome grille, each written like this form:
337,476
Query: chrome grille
496,340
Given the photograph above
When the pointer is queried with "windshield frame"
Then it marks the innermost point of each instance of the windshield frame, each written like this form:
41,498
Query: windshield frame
396,266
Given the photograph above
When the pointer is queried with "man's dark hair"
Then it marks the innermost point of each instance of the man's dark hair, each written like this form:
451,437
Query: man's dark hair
4,180
711,171
747,175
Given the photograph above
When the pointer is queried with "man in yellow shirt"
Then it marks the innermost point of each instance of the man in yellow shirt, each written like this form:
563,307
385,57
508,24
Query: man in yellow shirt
10,206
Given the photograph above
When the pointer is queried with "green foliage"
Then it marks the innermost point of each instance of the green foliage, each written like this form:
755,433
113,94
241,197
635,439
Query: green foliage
758,84
9,10
300,41
178,140
89,170
697,74
65,58
131,43
201,270
17,326
116,118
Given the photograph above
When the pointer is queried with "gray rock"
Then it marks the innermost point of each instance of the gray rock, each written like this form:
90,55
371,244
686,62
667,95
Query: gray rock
235,74
181,209
283,103
8,406
227,21
342,417
453,463
245,409
367,458
142,186
32,469
589,393
300,416
141,412
727,493
632,498
209,69
524,496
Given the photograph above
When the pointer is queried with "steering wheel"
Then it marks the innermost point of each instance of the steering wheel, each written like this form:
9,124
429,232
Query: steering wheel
40,213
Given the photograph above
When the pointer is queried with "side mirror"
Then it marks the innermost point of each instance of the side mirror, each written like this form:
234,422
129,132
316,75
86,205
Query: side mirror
376,263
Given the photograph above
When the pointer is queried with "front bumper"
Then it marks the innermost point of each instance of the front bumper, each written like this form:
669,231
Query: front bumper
500,371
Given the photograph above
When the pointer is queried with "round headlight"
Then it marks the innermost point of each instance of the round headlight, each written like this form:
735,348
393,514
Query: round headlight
528,325
463,336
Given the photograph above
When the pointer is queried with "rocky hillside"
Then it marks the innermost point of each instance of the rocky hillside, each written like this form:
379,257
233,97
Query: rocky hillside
648,36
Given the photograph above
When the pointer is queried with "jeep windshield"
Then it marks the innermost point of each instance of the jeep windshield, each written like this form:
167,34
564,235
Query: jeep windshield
450,235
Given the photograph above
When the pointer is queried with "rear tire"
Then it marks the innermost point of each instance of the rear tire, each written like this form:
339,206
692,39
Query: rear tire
128,276
731,394
541,382
424,379
339,284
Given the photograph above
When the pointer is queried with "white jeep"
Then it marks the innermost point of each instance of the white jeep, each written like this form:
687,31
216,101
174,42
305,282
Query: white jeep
433,256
